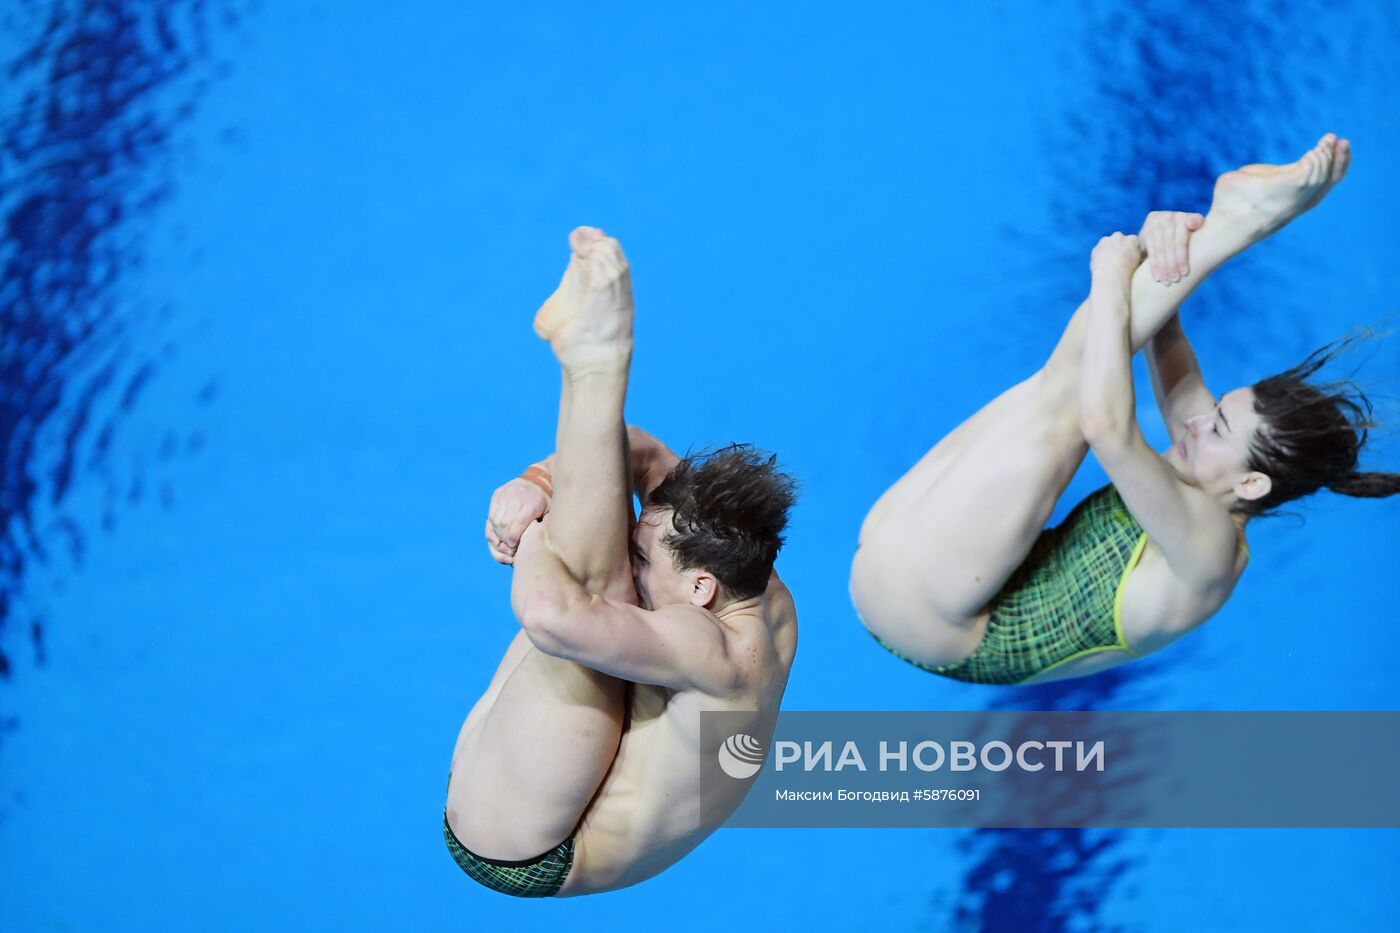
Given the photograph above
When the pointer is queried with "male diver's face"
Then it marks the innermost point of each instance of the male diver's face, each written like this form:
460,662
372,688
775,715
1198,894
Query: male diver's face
658,582
1213,451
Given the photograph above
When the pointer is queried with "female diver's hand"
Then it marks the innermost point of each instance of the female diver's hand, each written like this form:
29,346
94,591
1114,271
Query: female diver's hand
1164,235
514,507
1114,260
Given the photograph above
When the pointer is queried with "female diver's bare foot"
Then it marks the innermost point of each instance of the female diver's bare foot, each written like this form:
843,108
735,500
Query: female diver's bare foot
588,319
1255,201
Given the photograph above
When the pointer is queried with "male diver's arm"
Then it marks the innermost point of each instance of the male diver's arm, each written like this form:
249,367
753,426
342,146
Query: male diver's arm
514,506
525,499
1184,524
681,647
652,461
1176,377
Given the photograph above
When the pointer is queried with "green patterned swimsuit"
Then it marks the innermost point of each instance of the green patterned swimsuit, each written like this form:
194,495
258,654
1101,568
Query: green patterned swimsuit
1063,602
541,876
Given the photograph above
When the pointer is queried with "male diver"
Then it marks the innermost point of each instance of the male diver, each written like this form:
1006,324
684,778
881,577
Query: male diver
578,770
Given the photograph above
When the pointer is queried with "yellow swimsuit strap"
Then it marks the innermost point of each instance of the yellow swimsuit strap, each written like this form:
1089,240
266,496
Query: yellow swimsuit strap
1118,594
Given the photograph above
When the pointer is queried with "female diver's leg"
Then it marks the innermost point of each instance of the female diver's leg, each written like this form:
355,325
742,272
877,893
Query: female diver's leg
942,541
540,741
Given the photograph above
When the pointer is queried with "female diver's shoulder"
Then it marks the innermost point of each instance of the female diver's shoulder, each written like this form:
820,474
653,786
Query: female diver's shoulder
1218,541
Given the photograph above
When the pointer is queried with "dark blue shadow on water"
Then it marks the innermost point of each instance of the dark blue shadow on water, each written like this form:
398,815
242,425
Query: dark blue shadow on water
93,93
1172,101
1050,879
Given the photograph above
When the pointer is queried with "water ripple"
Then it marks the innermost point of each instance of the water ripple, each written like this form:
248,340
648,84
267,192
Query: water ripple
94,93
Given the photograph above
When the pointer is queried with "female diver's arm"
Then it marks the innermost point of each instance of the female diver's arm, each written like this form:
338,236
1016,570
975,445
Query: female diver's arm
1176,378
1192,532
1106,398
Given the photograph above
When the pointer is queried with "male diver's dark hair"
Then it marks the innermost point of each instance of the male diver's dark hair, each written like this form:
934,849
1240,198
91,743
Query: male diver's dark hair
1310,436
729,508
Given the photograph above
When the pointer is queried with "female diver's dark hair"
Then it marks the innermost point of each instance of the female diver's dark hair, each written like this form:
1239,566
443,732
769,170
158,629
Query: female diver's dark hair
1310,436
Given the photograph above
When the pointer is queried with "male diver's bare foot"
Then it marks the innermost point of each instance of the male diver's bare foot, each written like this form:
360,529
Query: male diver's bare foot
1255,201
588,319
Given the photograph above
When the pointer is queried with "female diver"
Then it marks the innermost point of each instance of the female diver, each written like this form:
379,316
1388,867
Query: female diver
953,571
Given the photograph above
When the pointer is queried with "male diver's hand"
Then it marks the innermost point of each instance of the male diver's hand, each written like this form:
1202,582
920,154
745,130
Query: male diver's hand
514,507
1114,260
1164,235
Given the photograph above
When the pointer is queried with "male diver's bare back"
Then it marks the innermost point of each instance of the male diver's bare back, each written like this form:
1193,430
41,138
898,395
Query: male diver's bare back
647,814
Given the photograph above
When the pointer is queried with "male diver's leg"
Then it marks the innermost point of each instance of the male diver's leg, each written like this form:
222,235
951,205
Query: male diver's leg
943,540
524,774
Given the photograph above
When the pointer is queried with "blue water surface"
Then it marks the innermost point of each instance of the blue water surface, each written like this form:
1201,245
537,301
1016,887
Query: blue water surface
269,272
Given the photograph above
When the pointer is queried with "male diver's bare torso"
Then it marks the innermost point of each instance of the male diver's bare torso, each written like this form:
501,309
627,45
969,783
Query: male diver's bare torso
647,814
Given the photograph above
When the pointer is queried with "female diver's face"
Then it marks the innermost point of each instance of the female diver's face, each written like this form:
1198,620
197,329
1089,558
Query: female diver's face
1213,451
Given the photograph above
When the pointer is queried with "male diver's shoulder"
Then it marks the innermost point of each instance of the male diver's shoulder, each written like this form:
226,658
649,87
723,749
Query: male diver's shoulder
777,592
778,610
